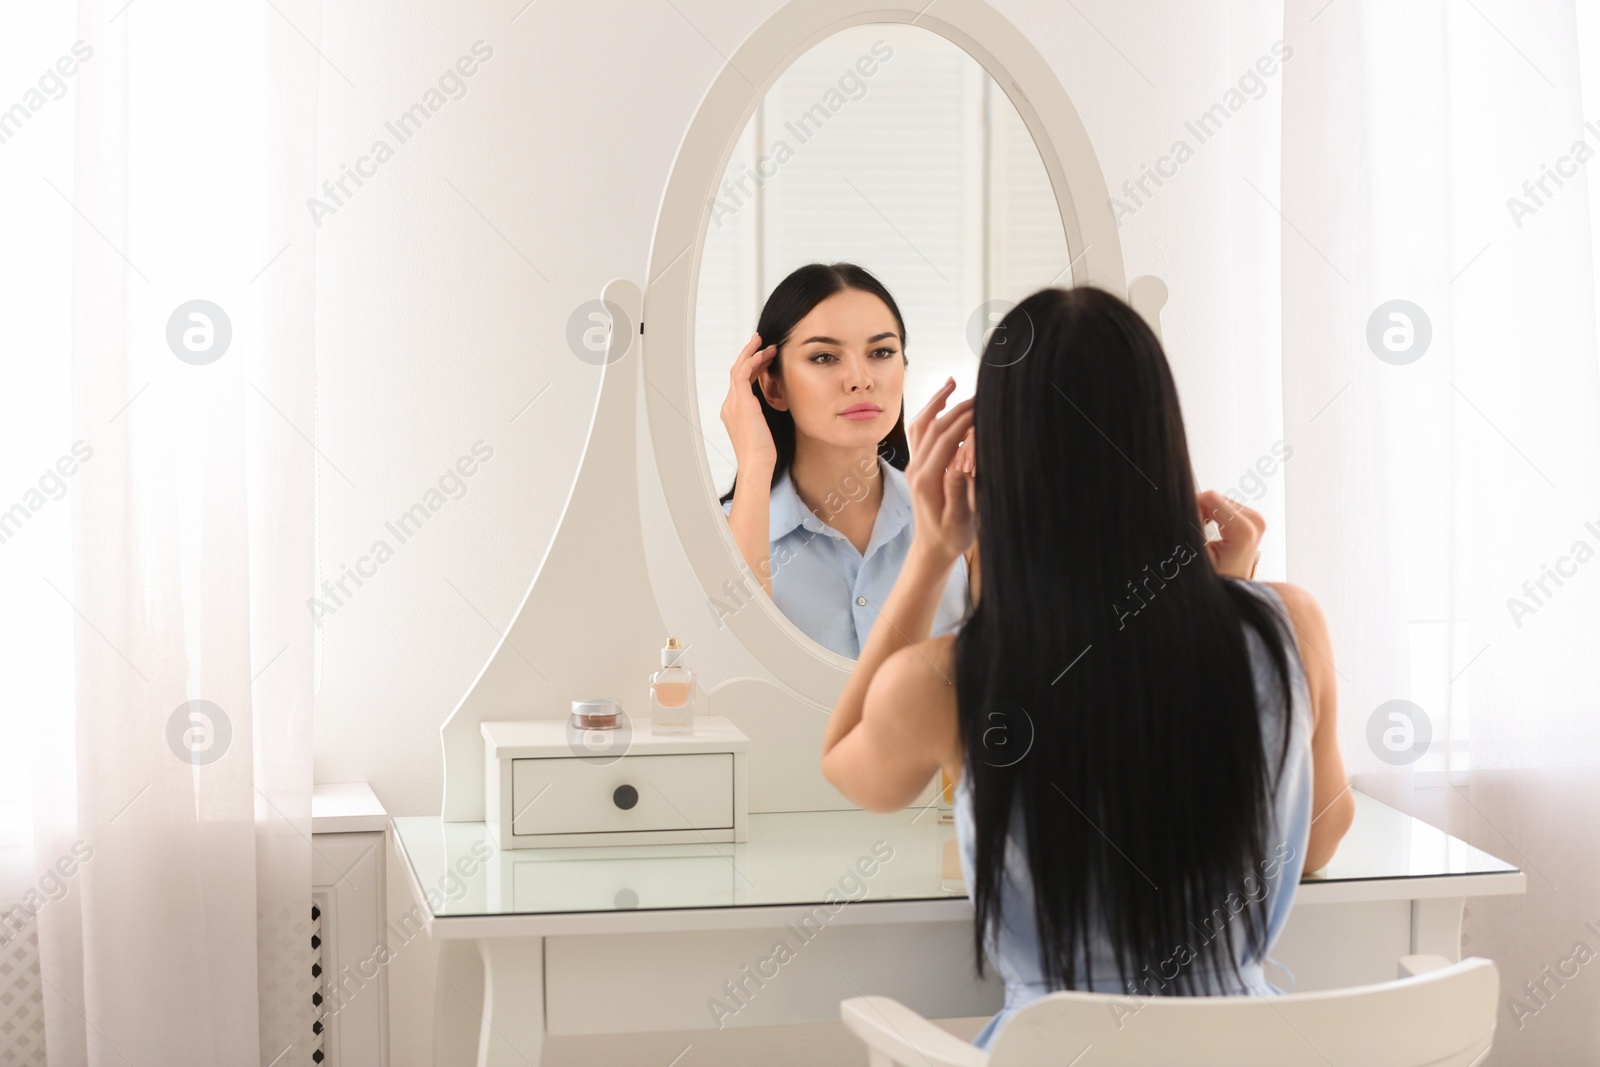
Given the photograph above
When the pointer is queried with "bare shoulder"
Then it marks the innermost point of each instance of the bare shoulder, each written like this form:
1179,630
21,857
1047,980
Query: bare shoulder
1305,614
1315,646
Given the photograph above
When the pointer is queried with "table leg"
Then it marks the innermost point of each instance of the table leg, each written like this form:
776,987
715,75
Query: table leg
458,1004
512,1034
1436,927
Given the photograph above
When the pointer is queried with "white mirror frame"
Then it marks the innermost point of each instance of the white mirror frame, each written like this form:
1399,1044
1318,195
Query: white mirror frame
589,624
812,672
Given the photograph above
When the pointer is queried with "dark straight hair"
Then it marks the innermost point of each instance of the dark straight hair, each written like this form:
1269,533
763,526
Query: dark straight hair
1104,640
791,301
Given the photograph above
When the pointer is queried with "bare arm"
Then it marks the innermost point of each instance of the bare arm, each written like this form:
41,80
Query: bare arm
895,724
755,455
1332,804
750,520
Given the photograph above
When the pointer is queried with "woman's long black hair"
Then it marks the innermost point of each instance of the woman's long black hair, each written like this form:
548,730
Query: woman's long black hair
1103,677
791,301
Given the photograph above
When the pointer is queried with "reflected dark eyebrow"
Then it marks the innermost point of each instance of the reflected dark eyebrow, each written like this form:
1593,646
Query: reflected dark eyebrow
874,339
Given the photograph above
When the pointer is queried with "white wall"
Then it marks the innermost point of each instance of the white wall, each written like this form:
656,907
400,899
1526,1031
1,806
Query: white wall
435,327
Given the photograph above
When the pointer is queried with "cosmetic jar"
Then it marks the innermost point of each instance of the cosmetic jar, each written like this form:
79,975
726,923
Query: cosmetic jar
599,714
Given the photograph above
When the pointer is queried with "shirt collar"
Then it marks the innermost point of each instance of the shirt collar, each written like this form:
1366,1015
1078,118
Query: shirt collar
789,512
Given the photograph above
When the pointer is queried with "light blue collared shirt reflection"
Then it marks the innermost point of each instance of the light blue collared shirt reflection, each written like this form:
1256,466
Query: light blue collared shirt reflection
834,593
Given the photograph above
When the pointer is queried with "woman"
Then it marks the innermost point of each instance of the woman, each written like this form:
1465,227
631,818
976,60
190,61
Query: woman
815,410
1145,762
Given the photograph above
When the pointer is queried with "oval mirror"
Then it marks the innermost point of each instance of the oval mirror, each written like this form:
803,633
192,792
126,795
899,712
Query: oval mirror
884,206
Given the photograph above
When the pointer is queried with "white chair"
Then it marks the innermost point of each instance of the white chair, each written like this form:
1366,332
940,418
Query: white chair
1438,1014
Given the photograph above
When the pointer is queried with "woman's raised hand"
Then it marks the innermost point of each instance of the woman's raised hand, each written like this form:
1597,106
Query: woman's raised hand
1236,551
943,497
966,457
918,427
753,447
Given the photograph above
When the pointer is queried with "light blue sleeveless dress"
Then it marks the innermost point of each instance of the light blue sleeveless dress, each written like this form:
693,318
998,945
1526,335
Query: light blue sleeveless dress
1013,947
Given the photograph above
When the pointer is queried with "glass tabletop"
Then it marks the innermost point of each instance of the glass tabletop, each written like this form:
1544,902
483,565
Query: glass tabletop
813,858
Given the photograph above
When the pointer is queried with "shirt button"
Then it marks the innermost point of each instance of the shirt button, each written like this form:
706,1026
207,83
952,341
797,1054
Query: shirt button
861,600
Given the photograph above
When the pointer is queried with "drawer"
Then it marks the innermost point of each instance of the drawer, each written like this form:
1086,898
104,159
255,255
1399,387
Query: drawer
574,796
659,881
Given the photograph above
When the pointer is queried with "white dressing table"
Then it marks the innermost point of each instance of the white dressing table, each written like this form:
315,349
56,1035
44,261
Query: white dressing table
700,934
642,938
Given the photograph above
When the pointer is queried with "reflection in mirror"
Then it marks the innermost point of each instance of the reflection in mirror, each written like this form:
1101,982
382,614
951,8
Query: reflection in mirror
884,207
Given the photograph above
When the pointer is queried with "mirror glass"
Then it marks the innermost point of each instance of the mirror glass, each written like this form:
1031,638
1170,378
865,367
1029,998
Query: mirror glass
890,148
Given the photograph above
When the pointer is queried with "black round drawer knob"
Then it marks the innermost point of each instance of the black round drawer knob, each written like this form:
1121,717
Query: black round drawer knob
625,797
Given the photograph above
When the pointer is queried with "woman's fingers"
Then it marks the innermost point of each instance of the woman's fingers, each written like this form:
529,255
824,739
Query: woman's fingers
750,360
939,444
954,425
917,427
1239,528
958,503
936,403
1215,507
750,347
756,363
965,456
945,436
761,360
741,411
941,492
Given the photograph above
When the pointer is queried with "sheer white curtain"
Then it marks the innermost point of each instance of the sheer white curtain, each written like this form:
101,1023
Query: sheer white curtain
158,803
1444,501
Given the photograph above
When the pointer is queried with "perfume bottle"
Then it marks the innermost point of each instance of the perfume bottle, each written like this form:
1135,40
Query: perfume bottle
672,693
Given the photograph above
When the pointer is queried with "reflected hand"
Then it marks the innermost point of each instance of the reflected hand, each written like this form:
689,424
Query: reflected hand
753,447
943,494
1235,554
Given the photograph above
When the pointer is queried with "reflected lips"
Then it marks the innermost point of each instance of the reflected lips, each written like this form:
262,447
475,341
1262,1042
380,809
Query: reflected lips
861,412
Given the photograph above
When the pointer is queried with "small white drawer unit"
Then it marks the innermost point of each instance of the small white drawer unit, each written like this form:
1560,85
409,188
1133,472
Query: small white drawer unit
546,788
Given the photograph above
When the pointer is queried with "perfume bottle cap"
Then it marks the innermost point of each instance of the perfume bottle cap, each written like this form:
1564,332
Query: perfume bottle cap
670,654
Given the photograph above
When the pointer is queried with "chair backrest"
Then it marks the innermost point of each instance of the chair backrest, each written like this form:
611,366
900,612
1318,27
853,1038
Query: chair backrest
1444,1018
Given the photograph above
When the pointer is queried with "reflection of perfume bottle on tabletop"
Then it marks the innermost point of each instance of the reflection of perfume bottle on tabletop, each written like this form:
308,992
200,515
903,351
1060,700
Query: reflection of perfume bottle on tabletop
951,880
946,799
672,693
948,852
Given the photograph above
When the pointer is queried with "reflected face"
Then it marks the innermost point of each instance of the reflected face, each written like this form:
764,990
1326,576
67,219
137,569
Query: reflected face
843,372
